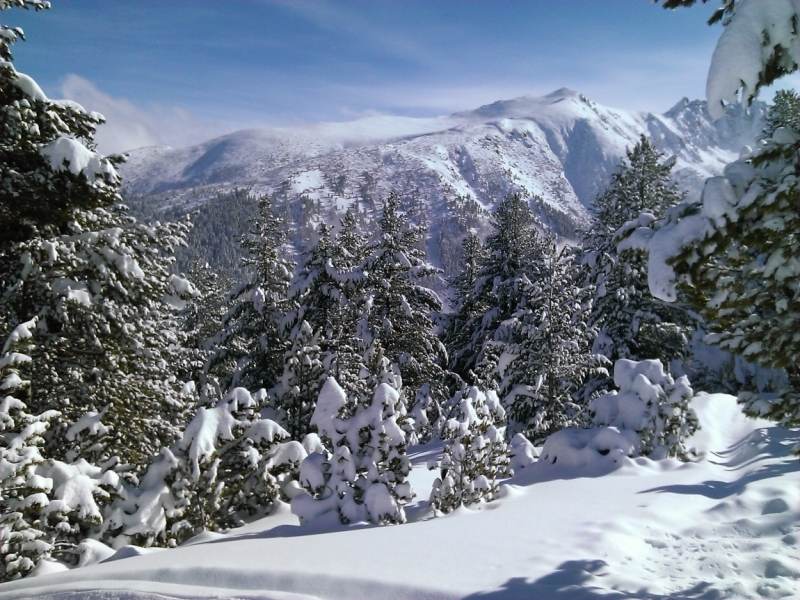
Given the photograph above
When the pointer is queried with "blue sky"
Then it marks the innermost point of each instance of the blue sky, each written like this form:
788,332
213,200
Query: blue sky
178,72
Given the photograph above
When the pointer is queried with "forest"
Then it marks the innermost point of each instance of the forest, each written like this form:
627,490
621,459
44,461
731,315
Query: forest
146,397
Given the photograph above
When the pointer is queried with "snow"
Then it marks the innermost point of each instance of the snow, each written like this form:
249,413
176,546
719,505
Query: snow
78,159
756,30
725,526
29,87
561,147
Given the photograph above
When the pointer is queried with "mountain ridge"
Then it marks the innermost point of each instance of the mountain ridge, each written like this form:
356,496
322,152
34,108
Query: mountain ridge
559,150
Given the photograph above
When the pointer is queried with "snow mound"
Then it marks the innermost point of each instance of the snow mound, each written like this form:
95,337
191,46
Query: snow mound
595,449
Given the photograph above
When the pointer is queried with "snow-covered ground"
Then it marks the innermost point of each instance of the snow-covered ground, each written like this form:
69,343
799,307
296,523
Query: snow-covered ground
725,526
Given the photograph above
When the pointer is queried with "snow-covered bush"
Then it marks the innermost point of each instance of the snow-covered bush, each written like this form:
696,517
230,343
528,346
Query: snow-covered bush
229,465
651,403
598,449
476,454
362,473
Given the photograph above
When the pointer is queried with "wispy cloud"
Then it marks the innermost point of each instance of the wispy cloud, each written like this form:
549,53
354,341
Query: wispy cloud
343,19
129,126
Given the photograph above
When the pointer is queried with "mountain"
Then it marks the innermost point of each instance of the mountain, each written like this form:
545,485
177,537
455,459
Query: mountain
560,148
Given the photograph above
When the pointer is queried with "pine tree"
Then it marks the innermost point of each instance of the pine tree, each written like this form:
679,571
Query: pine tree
48,166
250,345
546,353
200,319
498,288
397,311
476,453
107,338
737,254
302,379
741,270
783,112
455,334
229,465
351,242
46,506
631,323
362,476
22,542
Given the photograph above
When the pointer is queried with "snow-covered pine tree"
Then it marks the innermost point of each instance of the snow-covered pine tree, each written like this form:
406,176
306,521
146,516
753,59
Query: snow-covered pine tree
200,320
736,254
48,166
783,112
296,393
362,476
351,242
250,346
224,456
107,339
47,507
397,311
630,323
498,287
455,334
476,454
547,355
22,492
229,465
741,269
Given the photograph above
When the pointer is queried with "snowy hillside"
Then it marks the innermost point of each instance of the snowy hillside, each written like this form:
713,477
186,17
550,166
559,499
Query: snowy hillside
561,147
726,526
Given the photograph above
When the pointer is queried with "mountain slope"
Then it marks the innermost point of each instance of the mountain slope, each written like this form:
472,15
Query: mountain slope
724,526
560,148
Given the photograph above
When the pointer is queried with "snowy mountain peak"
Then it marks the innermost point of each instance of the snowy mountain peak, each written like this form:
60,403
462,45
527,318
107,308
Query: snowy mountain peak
559,150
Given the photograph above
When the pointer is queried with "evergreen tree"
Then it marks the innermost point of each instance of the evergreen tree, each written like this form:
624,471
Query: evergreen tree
229,465
631,323
509,259
302,379
455,334
48,166
362,476
22,542
741,270
397,311
737,254
250,345
476,453
201,317
546,354
47,507
351,242
107,338
783,112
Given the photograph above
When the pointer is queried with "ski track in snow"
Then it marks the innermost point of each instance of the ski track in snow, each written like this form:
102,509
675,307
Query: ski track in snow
725,526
